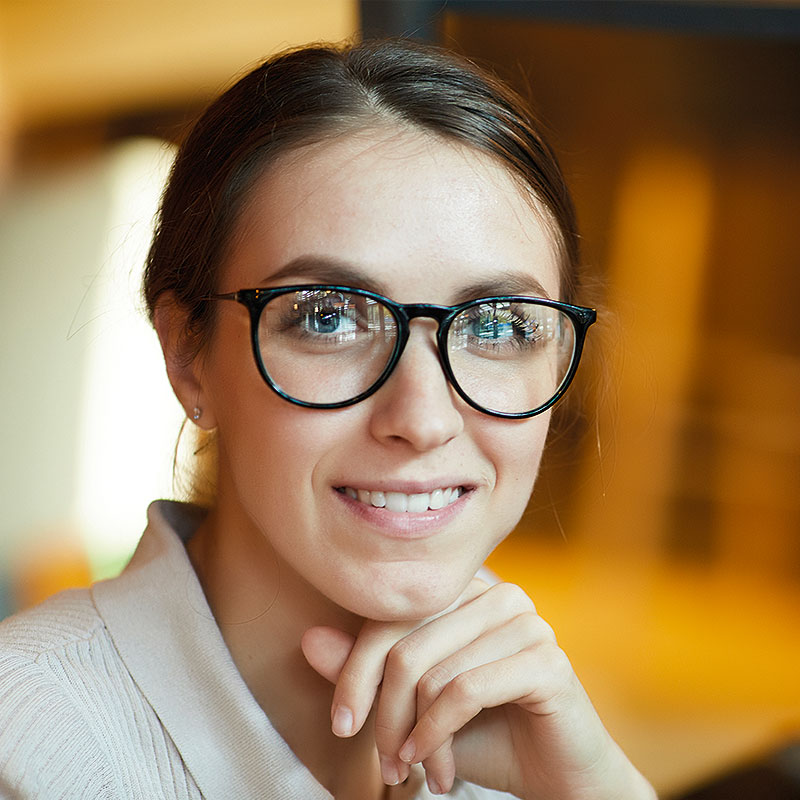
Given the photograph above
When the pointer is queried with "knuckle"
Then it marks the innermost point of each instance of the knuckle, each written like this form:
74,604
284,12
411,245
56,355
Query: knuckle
555,664
402,657
512,597
385,733
559,663
535,628
431,684
552,675
464,689
351,678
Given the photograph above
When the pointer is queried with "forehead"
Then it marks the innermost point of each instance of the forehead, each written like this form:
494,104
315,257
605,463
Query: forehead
410,211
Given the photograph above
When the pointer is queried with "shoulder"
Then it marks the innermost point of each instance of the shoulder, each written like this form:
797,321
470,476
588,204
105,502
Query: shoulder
62,619
47,743
38,645
73,721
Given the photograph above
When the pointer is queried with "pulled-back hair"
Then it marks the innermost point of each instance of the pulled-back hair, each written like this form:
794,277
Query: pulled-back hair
307,95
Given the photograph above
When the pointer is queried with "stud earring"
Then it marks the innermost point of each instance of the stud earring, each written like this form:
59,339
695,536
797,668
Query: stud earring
196,413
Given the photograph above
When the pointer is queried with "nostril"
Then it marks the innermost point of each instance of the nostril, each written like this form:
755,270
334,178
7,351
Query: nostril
418,405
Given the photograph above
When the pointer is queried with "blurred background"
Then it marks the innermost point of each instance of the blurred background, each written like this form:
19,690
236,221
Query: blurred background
663,542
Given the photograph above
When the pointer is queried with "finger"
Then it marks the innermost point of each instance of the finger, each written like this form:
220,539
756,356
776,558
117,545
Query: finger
361,675
519,633
440,769
419,666
363,671
327,650
537,678
407,659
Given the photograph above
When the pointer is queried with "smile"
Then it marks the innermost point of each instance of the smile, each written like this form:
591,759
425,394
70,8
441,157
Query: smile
402,503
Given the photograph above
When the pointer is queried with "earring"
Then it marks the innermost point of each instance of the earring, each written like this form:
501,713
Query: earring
196,413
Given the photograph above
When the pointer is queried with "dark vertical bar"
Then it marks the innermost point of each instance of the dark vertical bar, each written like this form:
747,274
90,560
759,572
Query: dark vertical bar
418,19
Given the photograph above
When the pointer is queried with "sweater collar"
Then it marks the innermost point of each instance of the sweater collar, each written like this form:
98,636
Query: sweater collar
165,633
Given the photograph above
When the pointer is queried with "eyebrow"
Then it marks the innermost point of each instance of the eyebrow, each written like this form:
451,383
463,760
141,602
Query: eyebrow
321,269
505,282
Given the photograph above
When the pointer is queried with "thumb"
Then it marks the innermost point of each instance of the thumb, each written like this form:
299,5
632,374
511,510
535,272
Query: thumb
327,650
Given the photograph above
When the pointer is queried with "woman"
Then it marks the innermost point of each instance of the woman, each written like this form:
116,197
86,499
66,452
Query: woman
360,281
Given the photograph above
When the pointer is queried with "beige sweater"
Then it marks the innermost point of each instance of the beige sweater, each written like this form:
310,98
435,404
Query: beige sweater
127,690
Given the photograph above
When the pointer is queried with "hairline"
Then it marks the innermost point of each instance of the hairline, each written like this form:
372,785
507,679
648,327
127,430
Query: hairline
383,121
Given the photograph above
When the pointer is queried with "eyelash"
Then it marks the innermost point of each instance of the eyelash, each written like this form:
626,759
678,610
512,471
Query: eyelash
294,320
524,330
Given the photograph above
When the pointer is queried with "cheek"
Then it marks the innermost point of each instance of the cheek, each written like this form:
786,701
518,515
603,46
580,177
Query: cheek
229,375
275,451
254,431
517,454
264,444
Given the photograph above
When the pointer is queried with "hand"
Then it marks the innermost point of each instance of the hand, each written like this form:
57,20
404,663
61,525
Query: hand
482,692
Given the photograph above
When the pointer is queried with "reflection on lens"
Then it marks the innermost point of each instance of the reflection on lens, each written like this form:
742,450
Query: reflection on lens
329,346
323,346
512,356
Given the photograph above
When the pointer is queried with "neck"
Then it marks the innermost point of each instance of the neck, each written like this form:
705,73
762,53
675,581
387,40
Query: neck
263,607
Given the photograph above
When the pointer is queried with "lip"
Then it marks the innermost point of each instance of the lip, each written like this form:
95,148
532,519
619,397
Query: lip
406,487
406,524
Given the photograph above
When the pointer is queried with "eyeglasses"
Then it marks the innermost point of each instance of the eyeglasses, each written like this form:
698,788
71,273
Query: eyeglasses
333,346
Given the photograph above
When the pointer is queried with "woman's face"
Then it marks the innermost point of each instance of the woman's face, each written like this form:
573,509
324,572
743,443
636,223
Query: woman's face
417,219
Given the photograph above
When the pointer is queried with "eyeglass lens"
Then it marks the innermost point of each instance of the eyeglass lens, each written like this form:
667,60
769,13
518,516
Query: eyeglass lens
321,346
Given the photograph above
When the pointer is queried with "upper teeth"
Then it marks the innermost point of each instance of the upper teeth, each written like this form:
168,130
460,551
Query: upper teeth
398,501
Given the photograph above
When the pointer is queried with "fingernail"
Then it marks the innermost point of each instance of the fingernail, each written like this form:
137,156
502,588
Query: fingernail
389,771
407,752
342,721
433,785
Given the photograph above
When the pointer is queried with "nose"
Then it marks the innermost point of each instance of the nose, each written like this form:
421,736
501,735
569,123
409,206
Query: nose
417,405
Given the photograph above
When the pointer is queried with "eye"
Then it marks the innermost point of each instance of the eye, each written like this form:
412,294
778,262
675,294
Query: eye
325,319
494,325
491,322
326,313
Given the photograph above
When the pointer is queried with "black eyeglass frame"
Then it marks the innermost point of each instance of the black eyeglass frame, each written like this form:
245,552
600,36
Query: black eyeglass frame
256,299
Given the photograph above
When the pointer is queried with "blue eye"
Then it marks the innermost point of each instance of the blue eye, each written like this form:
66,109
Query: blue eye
323,320
498,322
497,330
491,326
327,317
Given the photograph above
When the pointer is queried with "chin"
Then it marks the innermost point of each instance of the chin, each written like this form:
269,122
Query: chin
397,600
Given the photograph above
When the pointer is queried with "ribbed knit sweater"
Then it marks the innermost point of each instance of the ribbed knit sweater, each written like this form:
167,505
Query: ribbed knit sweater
127,690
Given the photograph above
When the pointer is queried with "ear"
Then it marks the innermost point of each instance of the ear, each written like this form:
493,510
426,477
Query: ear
184,367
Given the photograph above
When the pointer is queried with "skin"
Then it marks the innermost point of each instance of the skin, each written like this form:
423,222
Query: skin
362,632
